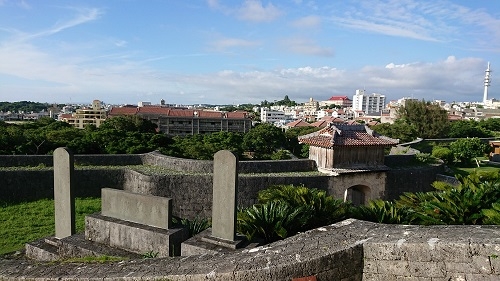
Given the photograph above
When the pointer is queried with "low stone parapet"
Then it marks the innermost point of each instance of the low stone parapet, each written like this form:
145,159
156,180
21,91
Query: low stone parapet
348,250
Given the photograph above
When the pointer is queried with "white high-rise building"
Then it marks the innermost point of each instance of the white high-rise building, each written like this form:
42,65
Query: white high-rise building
368,103
487,82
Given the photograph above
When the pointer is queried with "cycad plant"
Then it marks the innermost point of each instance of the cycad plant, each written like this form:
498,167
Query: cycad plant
194,226
319,208
271,221
492,216
449,204
383,212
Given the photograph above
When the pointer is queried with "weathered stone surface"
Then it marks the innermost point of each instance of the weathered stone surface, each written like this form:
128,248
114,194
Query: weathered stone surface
64,197
335,252
140,208
225,192
134,237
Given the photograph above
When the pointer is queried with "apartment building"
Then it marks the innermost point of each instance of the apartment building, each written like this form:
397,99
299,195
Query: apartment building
180,122
272,116
368,103
94,115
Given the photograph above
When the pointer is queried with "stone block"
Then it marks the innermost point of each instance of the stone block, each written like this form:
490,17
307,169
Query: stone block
453,252
139,208
134,237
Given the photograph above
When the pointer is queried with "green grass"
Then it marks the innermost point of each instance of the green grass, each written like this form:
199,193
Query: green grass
29,221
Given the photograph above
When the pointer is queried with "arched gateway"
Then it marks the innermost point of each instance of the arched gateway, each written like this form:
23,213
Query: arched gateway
354,155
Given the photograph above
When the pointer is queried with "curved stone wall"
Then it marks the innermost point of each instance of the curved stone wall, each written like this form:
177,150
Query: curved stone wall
245,167
192,195
349,250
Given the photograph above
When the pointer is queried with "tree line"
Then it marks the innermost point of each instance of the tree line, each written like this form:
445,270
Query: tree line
423,119
132,134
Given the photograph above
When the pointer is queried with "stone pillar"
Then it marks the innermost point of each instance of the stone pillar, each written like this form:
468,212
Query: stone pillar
225,191
64,199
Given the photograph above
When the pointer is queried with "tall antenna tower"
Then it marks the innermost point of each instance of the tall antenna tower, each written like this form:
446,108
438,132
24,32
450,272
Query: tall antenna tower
487,82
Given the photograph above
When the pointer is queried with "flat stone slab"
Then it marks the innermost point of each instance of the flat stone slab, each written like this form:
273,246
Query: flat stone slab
139,208
134,237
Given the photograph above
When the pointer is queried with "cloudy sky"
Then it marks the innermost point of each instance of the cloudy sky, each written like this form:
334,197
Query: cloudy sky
232,52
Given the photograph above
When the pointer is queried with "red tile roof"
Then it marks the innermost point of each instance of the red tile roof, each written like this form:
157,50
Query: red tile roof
339,98
156,110
346,135
210,114
298,123
320,123
122,111
237,114
181,112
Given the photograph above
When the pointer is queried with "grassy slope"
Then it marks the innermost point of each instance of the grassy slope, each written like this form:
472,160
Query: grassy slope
24,222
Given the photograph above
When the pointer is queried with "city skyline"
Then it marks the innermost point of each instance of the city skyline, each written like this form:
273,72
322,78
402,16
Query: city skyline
223,52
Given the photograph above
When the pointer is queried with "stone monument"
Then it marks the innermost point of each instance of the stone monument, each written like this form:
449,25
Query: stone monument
64,199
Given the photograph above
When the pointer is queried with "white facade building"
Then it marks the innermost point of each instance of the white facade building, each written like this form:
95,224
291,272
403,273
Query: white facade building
368,103
271,116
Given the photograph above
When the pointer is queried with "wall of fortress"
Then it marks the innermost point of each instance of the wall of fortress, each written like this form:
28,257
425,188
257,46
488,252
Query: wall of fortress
191,191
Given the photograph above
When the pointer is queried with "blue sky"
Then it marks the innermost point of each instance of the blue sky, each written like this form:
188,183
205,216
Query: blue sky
232,52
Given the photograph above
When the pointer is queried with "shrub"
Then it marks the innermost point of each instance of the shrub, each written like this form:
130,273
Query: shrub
466,149
443,153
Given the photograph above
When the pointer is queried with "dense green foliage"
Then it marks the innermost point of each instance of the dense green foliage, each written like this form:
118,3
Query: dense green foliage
443,153
428,120
285,101
24,106
421,119
116,135
131,134
466,149
284,210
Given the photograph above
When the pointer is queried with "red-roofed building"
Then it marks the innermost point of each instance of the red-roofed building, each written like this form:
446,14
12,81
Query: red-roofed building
297,123
176,121
342,101
347,146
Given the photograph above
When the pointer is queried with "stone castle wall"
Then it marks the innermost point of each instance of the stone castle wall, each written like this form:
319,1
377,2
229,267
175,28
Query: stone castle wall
192,195
349,250
192,191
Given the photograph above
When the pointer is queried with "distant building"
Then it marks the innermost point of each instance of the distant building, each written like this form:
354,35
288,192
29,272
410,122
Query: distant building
271,116
180,122
86,116
368,103
342,101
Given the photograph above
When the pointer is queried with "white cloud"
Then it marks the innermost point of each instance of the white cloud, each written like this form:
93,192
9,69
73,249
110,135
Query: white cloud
253,10
227,43
306,47
439,21
84,16
307,22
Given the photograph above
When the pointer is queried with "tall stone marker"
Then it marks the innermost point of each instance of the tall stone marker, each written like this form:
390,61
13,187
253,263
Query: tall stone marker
64,199
225,191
